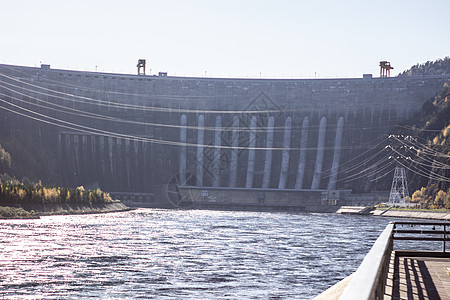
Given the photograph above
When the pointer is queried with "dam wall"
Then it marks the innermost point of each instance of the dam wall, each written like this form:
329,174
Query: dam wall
130,133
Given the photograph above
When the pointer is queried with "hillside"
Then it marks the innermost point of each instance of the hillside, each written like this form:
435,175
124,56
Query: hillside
429,171
438,67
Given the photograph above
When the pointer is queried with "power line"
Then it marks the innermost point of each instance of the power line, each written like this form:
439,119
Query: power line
78,127
103,117
87,114
441,165
421,146
133,106
430,175
367,172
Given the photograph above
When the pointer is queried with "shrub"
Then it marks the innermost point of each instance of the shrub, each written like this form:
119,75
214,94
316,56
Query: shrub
13,212
5,160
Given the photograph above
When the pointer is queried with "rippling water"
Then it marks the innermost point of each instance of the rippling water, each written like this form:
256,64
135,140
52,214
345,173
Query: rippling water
169,254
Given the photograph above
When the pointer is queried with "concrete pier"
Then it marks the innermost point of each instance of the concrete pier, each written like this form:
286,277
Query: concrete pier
234,151
182,171
302,159
285,154
251,154
336,154
200,145
320,151
216,157
269,146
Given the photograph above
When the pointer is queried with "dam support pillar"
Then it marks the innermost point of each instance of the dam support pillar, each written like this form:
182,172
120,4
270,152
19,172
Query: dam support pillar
109,140
127,158
320,152
302,159
200,143
285,154
182,171
76,140
102,152
120,161
66,156
336,154
269,146
234,151
251,154
216,158
84,154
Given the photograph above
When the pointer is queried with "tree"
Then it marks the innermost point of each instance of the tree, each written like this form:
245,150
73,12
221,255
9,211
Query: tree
5,160
439,199
418,195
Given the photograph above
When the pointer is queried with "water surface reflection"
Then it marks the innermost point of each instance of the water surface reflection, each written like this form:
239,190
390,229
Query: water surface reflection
168,254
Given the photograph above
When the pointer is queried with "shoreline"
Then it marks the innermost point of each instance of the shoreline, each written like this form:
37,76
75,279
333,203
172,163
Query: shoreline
61,210
118,206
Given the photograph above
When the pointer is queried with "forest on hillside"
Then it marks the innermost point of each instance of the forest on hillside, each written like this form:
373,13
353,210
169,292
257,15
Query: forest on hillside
437,67
429,167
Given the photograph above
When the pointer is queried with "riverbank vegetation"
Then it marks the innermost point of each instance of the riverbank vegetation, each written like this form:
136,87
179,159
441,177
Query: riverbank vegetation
14,213
24,199
20,200
17,194
428,197
5,160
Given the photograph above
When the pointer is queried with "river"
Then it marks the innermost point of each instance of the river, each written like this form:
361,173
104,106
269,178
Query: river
187,254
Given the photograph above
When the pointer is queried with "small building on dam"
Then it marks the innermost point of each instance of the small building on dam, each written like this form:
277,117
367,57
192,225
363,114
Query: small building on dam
164,141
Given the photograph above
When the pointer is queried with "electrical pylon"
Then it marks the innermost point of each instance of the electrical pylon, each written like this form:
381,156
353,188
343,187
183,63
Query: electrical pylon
399,190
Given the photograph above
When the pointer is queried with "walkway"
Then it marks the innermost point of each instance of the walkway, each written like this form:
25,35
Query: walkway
412,276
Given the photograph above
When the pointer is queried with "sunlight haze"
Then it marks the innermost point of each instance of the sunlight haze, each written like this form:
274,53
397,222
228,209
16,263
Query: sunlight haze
260,39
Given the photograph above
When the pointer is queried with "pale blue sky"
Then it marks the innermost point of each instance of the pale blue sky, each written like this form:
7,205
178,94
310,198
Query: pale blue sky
233,38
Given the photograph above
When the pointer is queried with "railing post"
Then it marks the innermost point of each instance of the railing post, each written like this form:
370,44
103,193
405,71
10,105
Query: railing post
445,236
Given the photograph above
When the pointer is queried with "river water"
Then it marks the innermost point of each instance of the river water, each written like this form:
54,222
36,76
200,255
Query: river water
191,254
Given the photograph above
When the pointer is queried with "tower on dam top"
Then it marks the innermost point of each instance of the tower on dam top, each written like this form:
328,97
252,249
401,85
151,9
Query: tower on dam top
141,67
385,68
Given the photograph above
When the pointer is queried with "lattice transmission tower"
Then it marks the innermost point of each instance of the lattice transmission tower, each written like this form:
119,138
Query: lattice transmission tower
399,190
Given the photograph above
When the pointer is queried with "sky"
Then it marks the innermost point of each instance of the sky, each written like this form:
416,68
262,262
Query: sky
225,38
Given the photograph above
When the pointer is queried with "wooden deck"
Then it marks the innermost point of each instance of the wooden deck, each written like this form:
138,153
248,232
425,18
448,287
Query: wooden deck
417,276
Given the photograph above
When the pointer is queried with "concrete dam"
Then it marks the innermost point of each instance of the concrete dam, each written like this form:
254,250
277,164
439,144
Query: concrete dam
163,138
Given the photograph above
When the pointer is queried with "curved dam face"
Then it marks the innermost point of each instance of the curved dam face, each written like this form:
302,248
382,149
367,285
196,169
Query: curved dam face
131,133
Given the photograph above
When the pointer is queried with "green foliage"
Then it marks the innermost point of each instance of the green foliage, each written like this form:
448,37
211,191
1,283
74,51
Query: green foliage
5,160
27,159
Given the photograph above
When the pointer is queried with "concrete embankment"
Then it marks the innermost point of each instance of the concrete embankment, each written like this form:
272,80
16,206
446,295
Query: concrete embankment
66,209
393,213
354,210
37,211
413,214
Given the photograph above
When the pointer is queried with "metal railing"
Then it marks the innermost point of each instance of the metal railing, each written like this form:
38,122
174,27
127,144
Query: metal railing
420,234
370,278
